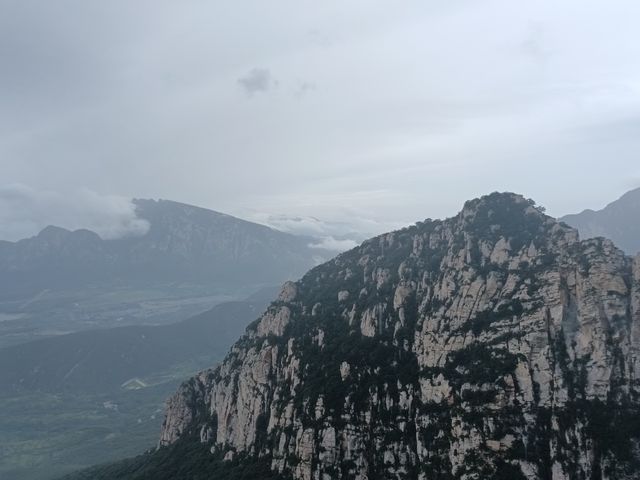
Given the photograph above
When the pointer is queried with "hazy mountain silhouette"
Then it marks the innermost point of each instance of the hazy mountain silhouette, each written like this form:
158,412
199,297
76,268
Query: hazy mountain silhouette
618,221
183,244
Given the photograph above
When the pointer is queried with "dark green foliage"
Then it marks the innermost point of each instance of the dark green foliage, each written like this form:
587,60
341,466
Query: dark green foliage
484,319
478,397
615,427
373,363
508,218
480,364
507,471
186,460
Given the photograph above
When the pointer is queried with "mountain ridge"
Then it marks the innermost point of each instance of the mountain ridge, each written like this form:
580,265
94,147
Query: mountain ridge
183,243
493,344
618,221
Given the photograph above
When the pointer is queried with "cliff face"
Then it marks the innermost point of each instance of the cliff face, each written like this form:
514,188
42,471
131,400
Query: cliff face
493,344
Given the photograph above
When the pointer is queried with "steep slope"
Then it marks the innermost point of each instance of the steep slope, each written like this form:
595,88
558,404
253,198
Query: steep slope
618,221
184,244
494,344
202,244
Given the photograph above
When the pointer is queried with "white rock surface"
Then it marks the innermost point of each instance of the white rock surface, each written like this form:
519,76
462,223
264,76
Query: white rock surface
464,351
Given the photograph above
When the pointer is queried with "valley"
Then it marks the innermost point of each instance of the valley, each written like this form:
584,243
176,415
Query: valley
55,312
75,400
46,435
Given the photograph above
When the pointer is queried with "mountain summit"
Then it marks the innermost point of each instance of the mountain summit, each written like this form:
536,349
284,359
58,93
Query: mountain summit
494,344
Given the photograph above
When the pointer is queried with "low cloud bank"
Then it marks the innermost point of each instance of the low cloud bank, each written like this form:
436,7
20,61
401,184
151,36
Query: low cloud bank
24,211
334,245
334,236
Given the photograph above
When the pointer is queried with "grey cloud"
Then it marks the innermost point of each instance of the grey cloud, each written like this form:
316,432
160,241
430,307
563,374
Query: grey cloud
303,88
333,236
25,211
350,227
257,80
318,38
430,102
534,44
346,231
334,245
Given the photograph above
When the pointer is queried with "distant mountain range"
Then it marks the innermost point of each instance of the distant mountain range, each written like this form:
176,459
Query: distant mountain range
195,245
183,244
618,221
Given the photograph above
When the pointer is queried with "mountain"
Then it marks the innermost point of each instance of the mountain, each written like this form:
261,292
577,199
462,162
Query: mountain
189,260
494,344
183,244
619,221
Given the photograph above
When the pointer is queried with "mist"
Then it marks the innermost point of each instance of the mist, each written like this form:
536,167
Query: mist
24,212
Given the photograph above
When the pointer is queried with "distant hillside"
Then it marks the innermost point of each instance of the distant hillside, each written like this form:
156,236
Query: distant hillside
99,361
76,400
618,221
184,244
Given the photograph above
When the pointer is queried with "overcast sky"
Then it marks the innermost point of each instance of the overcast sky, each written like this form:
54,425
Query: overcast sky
369,114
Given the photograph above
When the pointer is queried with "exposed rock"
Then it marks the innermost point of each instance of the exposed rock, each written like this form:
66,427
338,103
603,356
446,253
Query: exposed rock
493,344
345,370
274,321
288,292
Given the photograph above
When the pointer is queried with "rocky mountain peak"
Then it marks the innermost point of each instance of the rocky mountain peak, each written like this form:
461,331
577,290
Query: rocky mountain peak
493,344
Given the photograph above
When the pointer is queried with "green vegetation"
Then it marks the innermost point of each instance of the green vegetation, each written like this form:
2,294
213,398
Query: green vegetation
475,364
498,215
77,400
186,460
483,320
47,435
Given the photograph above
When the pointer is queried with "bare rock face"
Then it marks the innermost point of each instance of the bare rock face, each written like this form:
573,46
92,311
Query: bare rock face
494,344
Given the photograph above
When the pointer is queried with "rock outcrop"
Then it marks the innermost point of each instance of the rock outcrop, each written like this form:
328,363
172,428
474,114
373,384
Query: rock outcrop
494,344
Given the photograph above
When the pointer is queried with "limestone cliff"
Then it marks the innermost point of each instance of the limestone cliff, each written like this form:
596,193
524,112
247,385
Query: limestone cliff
494,344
